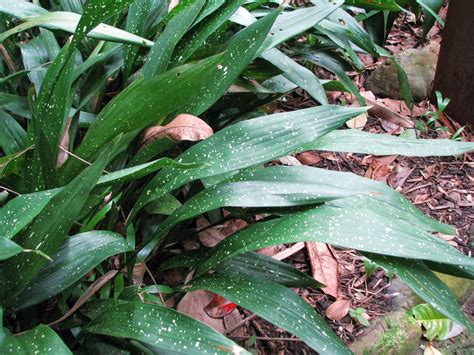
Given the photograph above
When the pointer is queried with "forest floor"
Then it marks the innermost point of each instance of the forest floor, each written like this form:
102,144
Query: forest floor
442,188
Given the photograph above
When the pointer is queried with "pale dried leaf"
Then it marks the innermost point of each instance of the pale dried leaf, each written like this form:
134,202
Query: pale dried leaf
324,267
290,161
173,4
431,350
64,145
358,122
289,252
183,128
338,309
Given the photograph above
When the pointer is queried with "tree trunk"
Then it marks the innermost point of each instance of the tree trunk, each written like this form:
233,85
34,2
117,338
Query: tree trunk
455,71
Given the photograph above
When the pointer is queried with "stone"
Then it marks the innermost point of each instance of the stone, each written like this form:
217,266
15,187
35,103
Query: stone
420,66
396,333
461,288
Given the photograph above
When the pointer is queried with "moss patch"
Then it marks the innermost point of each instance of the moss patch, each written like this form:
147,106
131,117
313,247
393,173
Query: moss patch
393,334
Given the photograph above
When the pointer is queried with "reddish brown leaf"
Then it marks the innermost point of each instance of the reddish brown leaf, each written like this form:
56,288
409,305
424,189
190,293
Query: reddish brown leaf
338,309
324,267
219,307
398,177
309,158
209,237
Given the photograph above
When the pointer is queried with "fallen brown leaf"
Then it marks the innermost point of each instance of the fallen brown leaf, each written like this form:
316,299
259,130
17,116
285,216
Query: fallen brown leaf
309,158
398,177
338,309
380,168
324,267
193,304
209,237
183,128
358,122
219,307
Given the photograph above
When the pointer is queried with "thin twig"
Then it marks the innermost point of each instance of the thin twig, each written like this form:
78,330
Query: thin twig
266,338
240,324
9,60
9,190
78,157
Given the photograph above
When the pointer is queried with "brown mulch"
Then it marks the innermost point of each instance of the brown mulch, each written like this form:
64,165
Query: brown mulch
442,187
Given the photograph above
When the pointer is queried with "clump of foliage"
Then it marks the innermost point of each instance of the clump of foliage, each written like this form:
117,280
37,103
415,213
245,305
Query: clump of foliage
86,200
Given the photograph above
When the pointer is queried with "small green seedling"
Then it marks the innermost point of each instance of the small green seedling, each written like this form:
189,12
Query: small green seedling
358,315
433,116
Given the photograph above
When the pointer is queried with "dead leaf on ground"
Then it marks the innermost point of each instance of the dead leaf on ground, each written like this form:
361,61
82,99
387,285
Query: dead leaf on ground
219,307
210,237
338,309
289,251
290,161
183,128
390,112
324,267
309,158
380,168
358,122
269,251
193,304
398,176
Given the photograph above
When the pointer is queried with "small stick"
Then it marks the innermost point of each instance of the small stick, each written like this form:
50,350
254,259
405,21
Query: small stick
267,338
240,324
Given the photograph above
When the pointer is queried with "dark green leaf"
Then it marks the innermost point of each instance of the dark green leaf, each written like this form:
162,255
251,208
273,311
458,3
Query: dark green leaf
161,52
355,141
49,230
12,134
278,305
263,267
162,328
426,285
353,227
41,340
389,5
79,254
8,248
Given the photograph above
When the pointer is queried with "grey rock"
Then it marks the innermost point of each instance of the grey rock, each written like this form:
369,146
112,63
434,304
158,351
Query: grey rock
420,66
395,333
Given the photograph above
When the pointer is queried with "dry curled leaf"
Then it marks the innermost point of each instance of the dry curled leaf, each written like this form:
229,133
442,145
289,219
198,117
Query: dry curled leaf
183,128
64,145
309,158
324,267
194,303
219,307
338,309
208,237
358,122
